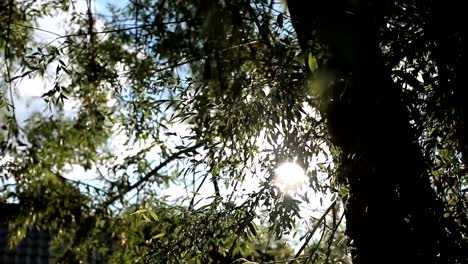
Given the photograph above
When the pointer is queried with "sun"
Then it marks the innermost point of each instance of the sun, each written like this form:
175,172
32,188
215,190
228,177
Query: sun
289,177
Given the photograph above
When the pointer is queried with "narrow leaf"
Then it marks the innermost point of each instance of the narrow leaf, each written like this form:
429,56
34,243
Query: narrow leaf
139,211
154,216
312,63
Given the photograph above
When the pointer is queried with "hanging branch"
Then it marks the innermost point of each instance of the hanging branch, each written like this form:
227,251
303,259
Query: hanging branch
152,173
7,59
335,228
92,77
312,232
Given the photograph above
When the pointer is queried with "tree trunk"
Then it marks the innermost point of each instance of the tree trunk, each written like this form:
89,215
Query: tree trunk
392,214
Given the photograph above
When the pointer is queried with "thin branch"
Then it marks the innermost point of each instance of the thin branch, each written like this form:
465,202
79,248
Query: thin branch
24,74
311,233
39,29
85,184
330,242
286,260
198,189
216,186
152,173
312,254
233,190
7,62
252,206
106,31
59,36
245,261
262,32
92,61
178,64
64,179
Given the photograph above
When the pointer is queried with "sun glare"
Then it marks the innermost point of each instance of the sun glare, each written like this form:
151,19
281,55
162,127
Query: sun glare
289,177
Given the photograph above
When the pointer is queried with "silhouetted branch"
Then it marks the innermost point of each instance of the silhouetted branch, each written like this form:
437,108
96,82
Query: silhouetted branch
106,31
311,233
152,173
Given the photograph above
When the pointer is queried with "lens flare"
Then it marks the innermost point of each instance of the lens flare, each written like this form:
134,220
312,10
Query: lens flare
289,177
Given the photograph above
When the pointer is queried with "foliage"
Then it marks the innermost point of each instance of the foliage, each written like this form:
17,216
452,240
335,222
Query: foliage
209,97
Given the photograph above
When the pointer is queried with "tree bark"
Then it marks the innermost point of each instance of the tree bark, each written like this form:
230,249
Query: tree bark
392,214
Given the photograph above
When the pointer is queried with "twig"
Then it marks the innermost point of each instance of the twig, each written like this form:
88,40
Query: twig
312,254
264,34
152,173
198,189
7,64
78,182
39,29
332,236
59,36
311,233
245,261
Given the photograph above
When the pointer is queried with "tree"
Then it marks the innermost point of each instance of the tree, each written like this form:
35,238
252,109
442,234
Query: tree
213,96
368,120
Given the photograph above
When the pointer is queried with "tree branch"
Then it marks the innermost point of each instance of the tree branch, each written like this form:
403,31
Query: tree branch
94,33
192,202
311,233
261,30
152,173
335,228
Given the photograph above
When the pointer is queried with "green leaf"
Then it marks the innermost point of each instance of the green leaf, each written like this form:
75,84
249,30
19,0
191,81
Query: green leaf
139,211
159,235
313,66
154,216
146,218
253,228
344,191
300,60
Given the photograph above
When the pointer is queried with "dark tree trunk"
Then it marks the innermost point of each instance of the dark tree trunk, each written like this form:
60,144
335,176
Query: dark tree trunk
392,214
